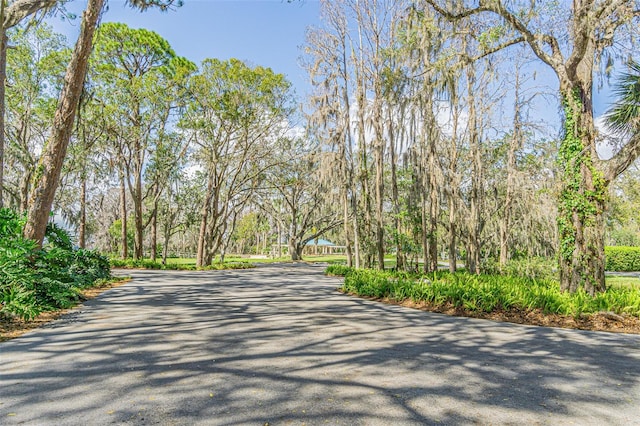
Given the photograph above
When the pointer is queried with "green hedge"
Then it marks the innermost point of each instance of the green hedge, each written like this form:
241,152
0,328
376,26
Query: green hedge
622,259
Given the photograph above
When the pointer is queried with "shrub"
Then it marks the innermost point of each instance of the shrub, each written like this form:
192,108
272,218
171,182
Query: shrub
149,264
228,265
338,270
487,293
622,259
34,280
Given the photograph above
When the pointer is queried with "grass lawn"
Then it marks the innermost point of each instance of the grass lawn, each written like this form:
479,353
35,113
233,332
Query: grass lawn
621,281
333,258
180,260
336,258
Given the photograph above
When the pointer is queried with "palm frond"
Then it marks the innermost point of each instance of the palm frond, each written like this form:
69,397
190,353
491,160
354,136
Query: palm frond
624,116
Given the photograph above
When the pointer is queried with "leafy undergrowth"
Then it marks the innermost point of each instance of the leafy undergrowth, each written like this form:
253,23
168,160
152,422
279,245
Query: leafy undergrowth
34,280
149,264
505,298
12,327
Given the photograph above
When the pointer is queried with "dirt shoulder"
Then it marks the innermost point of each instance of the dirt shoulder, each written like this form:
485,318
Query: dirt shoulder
10,328
602,321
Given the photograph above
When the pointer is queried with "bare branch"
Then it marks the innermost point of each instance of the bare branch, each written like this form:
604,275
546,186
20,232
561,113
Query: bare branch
20,9
611,15
535,41
622,159
607,8
497,48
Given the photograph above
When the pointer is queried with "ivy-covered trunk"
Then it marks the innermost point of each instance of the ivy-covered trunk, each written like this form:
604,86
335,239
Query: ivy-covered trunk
582,199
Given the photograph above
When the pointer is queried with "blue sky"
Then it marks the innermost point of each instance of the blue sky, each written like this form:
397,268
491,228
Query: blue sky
261,32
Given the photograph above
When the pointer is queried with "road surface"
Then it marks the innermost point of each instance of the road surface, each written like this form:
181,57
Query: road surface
278,345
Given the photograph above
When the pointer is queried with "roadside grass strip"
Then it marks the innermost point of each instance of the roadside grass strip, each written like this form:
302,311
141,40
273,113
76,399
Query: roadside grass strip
149,264
485,293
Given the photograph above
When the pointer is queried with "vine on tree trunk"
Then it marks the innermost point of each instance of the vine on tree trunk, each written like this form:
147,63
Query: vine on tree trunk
581,201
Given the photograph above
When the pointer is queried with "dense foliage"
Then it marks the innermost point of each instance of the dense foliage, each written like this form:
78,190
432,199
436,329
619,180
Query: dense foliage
35,280
422,139
622,259
485,293
539,268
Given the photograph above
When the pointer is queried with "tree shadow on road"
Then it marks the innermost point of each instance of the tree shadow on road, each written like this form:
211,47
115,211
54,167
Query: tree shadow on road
280,345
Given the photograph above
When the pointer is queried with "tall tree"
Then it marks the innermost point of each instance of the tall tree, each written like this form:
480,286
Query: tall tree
329,69
572,55
298,195
34,65
50,165
235,115
137,71
10,16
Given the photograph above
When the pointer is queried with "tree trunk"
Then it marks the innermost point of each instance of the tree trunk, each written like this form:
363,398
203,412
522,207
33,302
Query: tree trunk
378,154
3,78
154,233
423,225
345,226
453,189
505,223
165,245
264,242
24,190
346,147
279,240
362,239
395,197
204,217
453,255
137,218
581,204
433,204
473,222
514,144
123,217
293,242
356,234
48,171
82,228
433,224
294,251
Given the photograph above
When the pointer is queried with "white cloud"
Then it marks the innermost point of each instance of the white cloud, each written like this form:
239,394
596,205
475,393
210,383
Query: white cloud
605,140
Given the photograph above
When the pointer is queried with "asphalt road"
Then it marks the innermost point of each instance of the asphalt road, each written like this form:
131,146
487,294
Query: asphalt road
279,345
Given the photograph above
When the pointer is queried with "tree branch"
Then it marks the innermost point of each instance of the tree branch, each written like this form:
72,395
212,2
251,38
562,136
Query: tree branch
497,48
496,7
622,159
326,228
581,36
612,15
20,9
533,40
607,8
